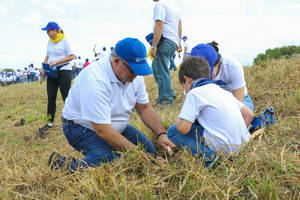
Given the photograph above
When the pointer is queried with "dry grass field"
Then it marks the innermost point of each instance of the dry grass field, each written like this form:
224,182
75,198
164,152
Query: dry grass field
267,168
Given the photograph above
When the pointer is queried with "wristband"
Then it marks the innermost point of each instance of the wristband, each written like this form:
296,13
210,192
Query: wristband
153,47
158,135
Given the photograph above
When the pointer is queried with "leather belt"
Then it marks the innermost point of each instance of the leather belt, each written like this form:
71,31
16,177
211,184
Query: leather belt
64,120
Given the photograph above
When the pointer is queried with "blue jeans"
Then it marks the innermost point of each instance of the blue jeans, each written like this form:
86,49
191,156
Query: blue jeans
172,63
193,142
94,148
248,102
160,68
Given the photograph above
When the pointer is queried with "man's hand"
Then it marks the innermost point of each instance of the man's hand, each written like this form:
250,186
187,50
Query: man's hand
164,141
153,52
179,48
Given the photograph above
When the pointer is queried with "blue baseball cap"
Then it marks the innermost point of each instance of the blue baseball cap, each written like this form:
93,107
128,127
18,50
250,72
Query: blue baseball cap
134,53
207,52
184,37
51,25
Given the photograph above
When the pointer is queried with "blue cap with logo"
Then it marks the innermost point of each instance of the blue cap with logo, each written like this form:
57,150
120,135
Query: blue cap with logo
134,53
207,52
184,37
50,26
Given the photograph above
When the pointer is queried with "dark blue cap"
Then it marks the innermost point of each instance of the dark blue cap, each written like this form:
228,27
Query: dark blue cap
207,52
184,37
50,26
134,53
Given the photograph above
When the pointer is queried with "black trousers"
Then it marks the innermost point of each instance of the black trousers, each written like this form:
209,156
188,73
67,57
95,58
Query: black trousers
63,81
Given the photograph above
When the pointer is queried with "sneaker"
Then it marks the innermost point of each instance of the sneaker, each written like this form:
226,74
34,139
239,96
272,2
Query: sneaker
56,161
50,124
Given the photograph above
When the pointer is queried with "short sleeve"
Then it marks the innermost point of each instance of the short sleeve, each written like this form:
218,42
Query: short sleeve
159,12
95,103
237,75
191,107
67,48
142,95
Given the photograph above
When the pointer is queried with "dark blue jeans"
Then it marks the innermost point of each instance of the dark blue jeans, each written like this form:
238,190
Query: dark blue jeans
94,148
193,142
160,68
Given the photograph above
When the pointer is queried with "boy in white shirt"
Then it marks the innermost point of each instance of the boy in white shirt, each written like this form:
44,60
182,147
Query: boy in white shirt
211,119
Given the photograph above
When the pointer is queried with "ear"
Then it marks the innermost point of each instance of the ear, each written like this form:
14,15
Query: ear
187,80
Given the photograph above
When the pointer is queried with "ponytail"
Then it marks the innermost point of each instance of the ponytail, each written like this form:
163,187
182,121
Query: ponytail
214,44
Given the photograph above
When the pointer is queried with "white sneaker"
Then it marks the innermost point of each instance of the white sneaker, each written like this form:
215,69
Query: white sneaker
50,124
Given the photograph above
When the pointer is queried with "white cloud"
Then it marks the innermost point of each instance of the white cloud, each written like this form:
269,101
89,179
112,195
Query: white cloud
35,1
3,10
54,8
33,17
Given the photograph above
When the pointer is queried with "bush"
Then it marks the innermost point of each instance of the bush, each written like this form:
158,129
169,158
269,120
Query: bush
277,53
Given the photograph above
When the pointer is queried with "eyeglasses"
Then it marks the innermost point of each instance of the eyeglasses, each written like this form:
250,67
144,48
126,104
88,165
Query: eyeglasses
126,65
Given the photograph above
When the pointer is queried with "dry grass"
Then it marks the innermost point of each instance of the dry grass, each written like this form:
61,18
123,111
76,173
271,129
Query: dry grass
267,168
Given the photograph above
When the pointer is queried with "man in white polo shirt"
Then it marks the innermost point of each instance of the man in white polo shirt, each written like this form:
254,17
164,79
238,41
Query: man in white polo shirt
99,105
166,39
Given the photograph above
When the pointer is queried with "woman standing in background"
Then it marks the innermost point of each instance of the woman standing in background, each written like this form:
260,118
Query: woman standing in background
59,55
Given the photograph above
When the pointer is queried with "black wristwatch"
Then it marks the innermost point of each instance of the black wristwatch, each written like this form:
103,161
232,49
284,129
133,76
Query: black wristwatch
158,135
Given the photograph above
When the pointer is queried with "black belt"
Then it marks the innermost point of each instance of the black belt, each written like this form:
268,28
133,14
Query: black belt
64,120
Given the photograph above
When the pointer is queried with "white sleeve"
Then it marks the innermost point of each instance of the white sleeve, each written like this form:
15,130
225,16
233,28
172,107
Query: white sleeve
67,49
237,75
191,107
95,103
159,12
142,95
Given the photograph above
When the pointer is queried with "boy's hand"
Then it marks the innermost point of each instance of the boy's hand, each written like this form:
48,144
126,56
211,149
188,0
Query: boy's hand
164,141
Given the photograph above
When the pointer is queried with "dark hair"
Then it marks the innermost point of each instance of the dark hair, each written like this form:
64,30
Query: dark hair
215,45
194,68
87,60
104,48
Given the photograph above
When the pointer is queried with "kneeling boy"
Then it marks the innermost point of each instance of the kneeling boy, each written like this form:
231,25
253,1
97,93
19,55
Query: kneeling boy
211,119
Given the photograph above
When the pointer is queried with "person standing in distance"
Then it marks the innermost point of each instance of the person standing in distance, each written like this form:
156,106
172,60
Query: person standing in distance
166,39
58,54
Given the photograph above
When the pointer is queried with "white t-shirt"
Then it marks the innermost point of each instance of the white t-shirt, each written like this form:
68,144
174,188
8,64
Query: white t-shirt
219,114
187,46
98,96
169,15
58,51
232,73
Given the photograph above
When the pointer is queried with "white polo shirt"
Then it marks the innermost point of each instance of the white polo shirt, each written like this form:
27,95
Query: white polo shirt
58,51
219,114
98,96
232,73
168,14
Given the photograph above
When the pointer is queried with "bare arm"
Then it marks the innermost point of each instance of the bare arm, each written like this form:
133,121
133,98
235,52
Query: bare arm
46,59
63,60
152,120
247,115
183,126
179,49
156,36
239,94
112,137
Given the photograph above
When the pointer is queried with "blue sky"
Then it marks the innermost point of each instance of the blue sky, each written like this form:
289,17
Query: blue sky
243,28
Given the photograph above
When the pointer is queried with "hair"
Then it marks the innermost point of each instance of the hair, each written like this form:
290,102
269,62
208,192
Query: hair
215,45
194,68
113,54
87,60
104,48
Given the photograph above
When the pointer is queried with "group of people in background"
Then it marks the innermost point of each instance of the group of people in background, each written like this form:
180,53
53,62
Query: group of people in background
29,74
